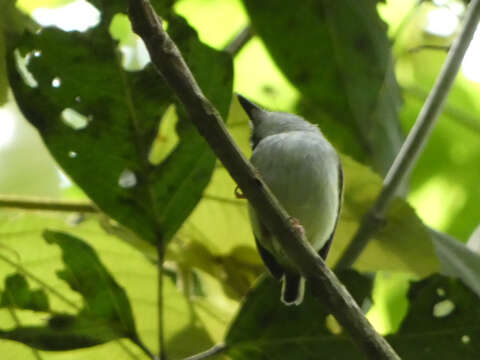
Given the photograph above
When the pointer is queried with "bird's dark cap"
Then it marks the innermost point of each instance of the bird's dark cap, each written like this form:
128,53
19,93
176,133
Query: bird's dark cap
249,107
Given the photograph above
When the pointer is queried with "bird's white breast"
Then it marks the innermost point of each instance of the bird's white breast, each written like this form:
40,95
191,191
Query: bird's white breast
301,168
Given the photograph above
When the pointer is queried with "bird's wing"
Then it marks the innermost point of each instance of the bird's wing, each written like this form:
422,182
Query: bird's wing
323,252
269,260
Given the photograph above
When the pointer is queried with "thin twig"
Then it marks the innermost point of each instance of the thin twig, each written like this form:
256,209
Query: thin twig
168,60
237,44
415,142
419,48
24,203
160,301
214,350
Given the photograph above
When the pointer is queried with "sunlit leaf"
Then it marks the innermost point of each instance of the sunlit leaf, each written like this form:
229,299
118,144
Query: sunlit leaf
403,243
17,293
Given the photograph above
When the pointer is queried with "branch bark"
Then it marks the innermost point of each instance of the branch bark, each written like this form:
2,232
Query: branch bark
168,60
415,142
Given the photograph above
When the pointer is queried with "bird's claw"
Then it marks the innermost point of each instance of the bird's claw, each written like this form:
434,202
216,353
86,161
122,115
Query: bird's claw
238,193
297,226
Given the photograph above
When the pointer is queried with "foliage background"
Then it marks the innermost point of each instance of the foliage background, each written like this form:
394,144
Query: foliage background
212,261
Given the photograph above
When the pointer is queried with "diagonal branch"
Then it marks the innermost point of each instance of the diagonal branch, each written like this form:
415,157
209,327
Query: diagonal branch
415,142
168,60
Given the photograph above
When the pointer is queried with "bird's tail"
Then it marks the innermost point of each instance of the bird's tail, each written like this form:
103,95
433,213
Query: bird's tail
293,289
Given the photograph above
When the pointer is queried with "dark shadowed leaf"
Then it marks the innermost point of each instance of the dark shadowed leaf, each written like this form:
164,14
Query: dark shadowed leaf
99,121
265,328
338,55
17,294
443,322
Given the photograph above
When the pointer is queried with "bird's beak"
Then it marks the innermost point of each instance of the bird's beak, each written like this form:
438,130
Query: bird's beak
250,108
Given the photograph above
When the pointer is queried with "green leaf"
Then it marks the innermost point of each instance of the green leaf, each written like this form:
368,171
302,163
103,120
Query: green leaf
100,121
403,243
443,322
18,294
84,273
64,332
265,328
106,313
338,56
457,260
21,233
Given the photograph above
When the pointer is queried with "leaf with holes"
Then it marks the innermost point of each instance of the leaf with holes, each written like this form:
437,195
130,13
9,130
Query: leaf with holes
443,321
266,329
99,121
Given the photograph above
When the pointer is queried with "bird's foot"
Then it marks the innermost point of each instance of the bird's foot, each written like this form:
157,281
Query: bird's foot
238,193
297,226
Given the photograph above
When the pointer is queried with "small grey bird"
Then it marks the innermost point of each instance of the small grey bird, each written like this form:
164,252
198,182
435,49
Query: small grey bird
304,172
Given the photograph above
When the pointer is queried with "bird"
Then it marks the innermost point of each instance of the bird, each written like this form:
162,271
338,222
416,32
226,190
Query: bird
304,172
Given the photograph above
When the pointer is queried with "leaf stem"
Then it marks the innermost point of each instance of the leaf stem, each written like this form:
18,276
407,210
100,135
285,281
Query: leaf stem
168,60
25,203
214,350
415,142
239,41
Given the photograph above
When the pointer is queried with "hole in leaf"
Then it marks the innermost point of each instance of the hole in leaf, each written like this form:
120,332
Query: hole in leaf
443,308
56,82
127,179
22,67
78,15
134,53
466,339
166,139
332,324
37,53
74,119
72,154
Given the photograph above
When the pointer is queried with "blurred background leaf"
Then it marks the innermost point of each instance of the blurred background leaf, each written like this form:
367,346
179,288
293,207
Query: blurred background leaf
339,59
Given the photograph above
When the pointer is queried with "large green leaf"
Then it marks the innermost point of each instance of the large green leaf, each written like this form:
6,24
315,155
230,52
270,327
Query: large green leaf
403,243
265,328
338,55
99,122
443,322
